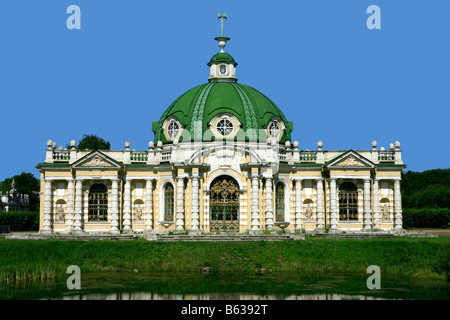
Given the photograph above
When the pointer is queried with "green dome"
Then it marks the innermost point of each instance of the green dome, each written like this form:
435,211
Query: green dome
222,57
202,103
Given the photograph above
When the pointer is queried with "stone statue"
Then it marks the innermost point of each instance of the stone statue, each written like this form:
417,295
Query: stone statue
139,213
308,213
60,214
385,212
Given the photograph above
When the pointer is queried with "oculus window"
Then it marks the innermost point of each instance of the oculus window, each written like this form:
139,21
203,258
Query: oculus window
173,129
225,127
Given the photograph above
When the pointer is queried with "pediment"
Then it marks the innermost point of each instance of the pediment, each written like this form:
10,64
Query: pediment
350,159
96,159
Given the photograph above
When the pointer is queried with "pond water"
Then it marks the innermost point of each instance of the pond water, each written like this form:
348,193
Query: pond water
268,286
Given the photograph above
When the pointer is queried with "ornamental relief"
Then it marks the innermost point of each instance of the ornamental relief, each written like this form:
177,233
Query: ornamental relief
350,161
95,162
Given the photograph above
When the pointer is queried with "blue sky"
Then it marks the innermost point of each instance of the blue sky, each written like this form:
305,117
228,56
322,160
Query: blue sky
335,79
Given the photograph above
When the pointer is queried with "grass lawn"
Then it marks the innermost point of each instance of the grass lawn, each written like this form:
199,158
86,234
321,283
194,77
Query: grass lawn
427,258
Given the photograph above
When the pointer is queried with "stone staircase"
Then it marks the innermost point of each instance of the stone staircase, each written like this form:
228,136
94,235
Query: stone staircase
228,238
355,235
37,236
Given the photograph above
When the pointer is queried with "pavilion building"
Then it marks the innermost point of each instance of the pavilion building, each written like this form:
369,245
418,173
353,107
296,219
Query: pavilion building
223,161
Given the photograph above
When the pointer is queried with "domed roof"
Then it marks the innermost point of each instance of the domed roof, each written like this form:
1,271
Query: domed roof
204,102
222,57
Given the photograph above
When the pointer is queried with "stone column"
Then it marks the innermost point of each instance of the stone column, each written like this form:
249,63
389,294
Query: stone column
195,217
398,224
376,205
48,207
320,206
366,202
149,205
333,207
115,207
78,206
180,204
298,206
69,213
127,206
269,205
255,202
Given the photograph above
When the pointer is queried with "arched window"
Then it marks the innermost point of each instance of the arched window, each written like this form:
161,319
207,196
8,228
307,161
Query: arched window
173,129
274,130
224,204
280,202
348,202
169,206
98,202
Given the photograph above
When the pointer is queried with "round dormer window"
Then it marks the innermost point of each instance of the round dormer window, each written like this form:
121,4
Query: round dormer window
173,129
225,127
223,69
274,130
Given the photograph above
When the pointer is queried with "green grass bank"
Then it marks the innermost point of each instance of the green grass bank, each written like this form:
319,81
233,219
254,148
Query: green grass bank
34,260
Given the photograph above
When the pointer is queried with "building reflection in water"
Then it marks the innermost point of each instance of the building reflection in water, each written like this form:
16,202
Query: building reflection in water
212,296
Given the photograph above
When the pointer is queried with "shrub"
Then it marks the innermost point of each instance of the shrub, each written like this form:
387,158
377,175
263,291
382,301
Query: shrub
426,218
20,221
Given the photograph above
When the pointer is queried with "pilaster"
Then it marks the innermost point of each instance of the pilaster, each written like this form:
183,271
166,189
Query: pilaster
269,205
70,208
47,207
115,206
366,202
298,205
320,206
333,206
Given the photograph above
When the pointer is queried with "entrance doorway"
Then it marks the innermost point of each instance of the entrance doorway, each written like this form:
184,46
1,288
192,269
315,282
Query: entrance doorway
224,204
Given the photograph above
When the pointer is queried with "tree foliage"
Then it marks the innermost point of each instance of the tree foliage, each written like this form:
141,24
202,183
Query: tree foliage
427,189
26,183
92,142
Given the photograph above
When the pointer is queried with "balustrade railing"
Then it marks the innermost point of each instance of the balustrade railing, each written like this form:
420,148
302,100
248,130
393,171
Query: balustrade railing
165,156
386,156
282,156
139,156
61,155
307,156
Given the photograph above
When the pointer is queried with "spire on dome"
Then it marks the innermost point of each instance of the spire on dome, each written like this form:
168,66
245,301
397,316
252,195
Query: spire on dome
222,39
222,65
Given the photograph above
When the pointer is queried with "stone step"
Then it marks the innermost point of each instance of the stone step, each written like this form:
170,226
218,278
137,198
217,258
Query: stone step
223,238
367,235
37,236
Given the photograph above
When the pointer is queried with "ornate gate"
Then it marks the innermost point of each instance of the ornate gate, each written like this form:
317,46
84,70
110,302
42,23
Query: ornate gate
224,204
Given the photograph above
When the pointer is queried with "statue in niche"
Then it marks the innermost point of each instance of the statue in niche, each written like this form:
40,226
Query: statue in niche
385,212
308,212
138,213
60,214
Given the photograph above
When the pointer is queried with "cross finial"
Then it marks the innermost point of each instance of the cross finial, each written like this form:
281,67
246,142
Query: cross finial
221,16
